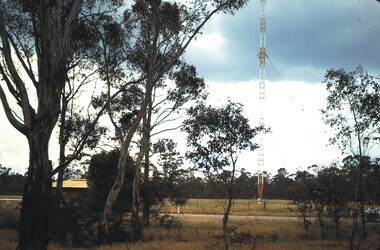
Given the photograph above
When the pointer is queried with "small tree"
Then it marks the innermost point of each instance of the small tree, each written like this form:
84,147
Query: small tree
301,197
216,136
353,111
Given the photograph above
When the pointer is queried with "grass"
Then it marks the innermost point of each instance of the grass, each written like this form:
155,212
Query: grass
240,207
10,196
198,234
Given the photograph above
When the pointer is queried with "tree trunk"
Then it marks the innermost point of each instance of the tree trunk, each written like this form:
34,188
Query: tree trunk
146,131
37,199
226,217
146,200
230,197
103,227
361,198
62,147
321,222
136,224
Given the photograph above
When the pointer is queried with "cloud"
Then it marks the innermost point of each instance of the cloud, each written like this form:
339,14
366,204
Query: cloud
317,35
211,46
13,147
299,137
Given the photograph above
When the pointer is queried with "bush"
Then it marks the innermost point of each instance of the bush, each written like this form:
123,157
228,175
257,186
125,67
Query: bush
76,226
9,219
8,222
236,239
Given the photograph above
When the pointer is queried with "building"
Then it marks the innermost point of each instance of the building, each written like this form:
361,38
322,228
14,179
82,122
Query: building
73,189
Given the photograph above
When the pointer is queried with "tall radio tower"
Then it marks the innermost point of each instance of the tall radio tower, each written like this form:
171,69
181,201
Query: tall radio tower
262,57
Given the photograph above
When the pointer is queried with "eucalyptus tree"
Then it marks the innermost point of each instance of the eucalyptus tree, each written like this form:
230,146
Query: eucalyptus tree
215,137
352,109
162,31
300,194
171,161
95,58
36,42
179,81
163,112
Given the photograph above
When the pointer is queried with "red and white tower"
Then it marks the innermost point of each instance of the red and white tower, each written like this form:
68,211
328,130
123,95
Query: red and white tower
262,57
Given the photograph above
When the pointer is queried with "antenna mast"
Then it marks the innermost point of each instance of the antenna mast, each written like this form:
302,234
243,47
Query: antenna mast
262,57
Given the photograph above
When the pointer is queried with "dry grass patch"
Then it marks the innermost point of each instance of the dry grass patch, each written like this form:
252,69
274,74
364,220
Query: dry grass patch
8,239
197,234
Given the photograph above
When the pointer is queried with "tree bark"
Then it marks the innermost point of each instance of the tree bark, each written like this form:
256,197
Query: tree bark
146,130
136,224
62,147
230,197
37,200
103,227
146,200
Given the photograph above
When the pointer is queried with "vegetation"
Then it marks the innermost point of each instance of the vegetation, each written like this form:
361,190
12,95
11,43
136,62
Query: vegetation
216,136
240,207
10,183
203,234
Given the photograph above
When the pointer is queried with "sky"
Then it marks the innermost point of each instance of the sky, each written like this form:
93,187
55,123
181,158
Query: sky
304,39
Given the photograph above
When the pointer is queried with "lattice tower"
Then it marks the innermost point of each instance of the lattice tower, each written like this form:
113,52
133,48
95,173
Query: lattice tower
262,57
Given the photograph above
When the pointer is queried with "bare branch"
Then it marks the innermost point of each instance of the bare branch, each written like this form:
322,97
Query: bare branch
8,112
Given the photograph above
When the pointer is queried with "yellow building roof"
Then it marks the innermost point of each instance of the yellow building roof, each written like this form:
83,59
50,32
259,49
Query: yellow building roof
79,183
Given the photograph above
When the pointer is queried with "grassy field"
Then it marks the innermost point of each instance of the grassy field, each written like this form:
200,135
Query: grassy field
240,207
10,196
214,206
200,235
194,234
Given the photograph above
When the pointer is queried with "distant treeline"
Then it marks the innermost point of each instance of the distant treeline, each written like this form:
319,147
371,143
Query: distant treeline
178,183
11,183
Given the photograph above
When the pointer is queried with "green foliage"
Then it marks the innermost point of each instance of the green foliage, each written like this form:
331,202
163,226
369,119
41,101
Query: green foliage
352,108
279,185
171,181
227,6
101,175
78,127
217,135
332,195
76,221
74,225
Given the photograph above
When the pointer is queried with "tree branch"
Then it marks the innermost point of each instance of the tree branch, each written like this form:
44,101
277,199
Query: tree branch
8,112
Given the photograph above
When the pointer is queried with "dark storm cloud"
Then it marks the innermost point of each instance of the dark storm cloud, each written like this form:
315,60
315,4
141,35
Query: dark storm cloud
304,39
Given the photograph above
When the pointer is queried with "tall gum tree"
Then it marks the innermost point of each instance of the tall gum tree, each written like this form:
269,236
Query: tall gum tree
53,32
35,43
193,18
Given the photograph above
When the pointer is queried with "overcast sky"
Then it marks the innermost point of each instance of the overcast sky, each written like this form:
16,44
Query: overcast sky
304,39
